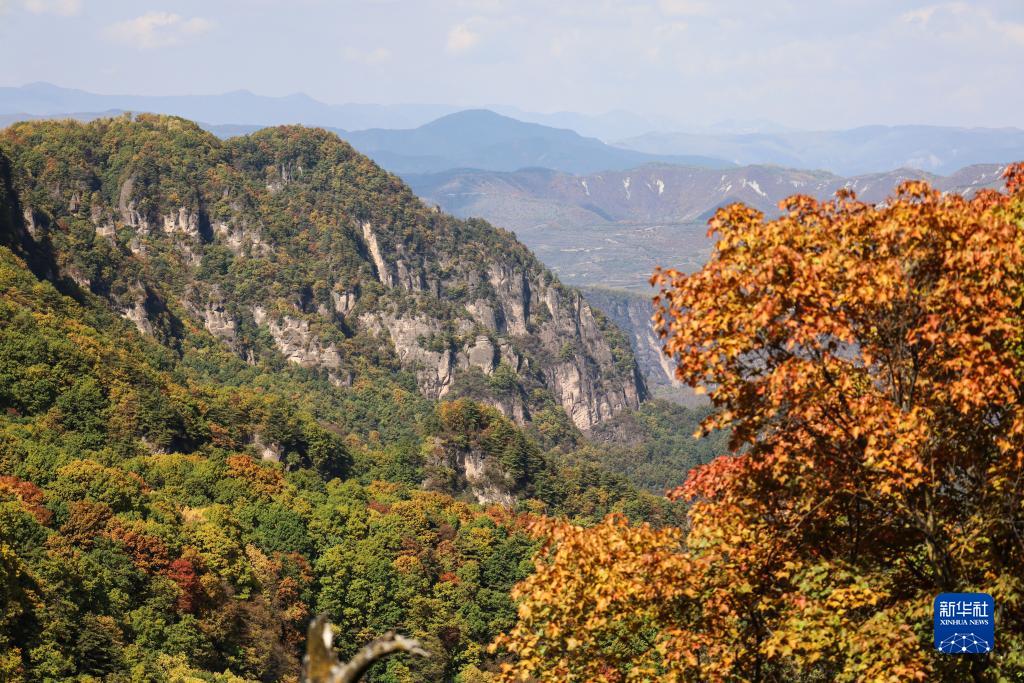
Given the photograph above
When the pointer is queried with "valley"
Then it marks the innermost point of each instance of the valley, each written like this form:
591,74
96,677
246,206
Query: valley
390,342
243,378
612,228
608,231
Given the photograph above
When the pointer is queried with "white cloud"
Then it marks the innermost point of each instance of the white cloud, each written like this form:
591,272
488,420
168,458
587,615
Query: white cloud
372,57
943,10
63,8
461,38
1012,30
918,16
157,29
965,20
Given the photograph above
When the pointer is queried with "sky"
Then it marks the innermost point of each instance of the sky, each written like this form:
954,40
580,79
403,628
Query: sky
800,63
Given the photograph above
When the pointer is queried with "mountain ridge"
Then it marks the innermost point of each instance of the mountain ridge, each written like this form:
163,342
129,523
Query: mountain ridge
453,302
611,228
246,382
854,151
483,139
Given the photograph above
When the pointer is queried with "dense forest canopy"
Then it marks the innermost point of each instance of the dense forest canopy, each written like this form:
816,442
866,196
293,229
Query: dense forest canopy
244,382
179,495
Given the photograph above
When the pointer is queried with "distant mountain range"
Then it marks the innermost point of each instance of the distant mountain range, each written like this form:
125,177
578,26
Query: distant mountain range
252,111
482,139
238,107
422,138
463,139
611,229
938,149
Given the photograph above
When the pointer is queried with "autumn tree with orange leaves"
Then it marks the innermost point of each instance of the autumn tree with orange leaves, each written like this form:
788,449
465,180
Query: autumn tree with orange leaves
868,362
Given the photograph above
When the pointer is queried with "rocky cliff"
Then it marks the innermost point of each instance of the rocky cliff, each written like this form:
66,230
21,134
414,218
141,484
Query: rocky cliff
631,313
290,248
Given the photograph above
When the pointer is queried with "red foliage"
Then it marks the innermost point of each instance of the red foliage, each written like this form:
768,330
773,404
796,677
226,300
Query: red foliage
183,573
148,552
382,508
30,495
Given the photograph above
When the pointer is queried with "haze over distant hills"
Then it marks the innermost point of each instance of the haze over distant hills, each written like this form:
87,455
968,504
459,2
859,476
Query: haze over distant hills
446,139
868,149
249,110
483,139
239,107
612,228
416,128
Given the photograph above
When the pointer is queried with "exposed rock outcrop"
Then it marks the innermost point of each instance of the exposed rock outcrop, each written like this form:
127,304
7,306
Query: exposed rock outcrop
340,266
434,368
297,342
632,313
270,451
220,323
482,354
382,267
486,480
126,206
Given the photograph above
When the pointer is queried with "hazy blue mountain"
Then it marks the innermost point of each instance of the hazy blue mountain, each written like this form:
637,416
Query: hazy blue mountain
470,139
423,138
242,107
937,149
482,139
607,126
238,107
85,116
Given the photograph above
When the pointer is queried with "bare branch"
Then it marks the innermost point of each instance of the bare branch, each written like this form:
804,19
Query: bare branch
321,664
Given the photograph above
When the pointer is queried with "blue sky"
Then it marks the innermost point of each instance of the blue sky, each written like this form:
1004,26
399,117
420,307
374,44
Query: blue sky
811,64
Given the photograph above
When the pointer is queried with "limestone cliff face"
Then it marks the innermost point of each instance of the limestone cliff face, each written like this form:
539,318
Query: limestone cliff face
480,475
521,318
287,244
632,313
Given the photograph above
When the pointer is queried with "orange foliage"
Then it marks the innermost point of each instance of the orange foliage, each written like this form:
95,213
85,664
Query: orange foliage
30,495
868,361
148,552
86,520
264,480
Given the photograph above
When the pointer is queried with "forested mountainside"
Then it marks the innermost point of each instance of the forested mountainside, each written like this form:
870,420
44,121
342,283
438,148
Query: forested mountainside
219,372
287,244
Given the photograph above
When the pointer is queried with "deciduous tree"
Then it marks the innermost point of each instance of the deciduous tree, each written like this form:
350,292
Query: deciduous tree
867,360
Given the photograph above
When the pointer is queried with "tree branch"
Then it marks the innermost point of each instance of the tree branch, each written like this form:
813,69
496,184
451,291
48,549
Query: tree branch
321,664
